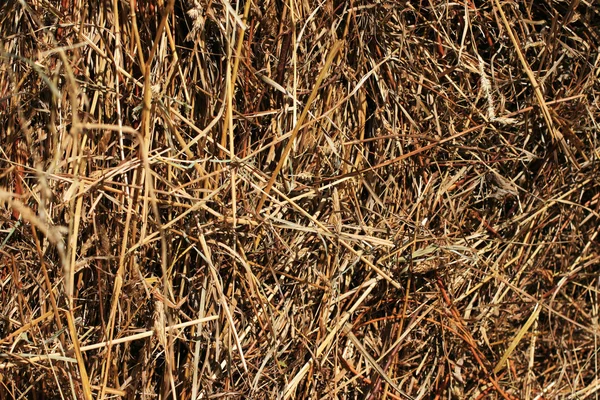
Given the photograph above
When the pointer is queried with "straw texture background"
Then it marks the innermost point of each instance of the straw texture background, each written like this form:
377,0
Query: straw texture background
299,199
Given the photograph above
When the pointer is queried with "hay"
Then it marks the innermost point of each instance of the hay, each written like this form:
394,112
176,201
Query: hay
303,199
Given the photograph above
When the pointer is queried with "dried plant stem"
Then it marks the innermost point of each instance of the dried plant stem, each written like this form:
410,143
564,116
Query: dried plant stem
330,58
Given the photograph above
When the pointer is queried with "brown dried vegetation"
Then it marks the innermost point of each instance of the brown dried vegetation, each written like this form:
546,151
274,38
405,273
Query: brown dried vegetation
299,199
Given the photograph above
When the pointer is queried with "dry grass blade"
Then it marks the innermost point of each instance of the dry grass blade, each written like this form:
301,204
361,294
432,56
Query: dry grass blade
556,135
374,364
519,336
330,58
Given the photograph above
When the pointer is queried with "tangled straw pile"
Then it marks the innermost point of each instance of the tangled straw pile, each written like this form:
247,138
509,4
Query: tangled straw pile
299,199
